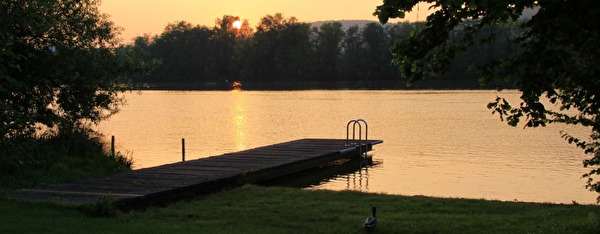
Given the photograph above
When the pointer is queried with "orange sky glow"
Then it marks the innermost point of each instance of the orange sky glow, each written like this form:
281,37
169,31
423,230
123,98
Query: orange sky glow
139,17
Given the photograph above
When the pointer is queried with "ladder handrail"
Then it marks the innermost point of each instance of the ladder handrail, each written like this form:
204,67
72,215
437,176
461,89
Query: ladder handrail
366,127
347,132
360,141
353,132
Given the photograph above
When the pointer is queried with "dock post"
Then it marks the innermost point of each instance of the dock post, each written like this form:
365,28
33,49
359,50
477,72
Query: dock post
112,146
183,149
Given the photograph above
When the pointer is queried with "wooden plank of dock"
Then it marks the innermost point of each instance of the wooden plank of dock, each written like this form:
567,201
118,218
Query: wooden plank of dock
166,183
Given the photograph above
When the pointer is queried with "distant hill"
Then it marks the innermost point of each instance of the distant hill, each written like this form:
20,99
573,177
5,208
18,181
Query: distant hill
345,23
527,14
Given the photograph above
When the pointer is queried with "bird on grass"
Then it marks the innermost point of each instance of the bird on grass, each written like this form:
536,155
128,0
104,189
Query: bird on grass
371,222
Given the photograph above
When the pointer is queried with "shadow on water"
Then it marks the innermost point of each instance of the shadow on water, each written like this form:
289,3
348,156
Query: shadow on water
354,171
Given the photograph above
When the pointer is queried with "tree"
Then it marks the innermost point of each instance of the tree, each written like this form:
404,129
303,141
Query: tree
279,51
295,52
224,43
185,53
226,26
329,38
352,59
557,60
376,55
59,66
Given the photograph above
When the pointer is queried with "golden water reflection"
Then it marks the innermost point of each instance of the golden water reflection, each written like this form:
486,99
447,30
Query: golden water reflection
239,120
437,143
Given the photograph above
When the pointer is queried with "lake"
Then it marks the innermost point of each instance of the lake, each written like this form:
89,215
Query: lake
436,143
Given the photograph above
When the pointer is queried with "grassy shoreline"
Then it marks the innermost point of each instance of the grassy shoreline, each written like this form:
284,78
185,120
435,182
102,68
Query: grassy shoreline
254,209
56,158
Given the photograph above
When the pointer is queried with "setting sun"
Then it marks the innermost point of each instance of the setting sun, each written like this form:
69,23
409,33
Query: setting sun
151,16
237,24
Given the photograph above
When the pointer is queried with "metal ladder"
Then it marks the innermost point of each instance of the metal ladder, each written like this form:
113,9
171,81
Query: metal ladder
359,122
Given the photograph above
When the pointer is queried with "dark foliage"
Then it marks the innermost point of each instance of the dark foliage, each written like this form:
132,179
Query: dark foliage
51,158
284,53
557,59
59,66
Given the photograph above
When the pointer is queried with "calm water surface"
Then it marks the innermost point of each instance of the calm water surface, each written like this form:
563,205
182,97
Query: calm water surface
437,143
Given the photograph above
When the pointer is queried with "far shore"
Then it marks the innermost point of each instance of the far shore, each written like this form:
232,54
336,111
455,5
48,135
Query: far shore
398,84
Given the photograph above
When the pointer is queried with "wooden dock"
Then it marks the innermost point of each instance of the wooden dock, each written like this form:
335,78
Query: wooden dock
171,182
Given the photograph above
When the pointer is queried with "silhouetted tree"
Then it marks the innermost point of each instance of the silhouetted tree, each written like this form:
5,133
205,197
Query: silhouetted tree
376,55
329,40
295,52
352,45
279,50
284,50
59,66
558,60
223,44
185,54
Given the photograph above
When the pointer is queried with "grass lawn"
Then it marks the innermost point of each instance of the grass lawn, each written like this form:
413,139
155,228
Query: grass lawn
254,209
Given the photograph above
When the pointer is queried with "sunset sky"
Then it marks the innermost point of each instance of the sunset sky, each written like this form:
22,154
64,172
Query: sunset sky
138,17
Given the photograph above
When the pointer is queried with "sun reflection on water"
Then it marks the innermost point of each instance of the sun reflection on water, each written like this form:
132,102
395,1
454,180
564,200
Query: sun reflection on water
437,143
239,120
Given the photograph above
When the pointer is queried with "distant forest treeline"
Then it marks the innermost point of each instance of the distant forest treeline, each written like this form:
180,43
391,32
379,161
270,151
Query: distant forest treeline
282,53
